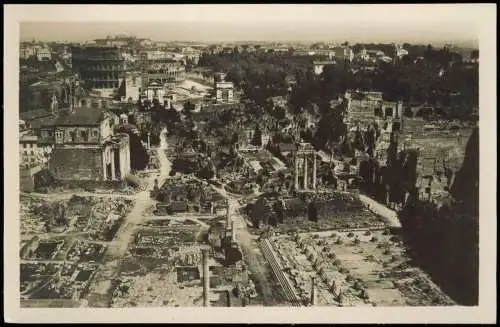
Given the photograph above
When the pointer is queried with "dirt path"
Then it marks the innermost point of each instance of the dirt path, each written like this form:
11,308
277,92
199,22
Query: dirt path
119,245
254,258
117,248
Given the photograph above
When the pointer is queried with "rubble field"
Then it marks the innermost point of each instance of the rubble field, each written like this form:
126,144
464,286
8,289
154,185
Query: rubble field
83,251
62,248
355,268
97,217
178,195
164,267
165,285
333,211
44,249
35,275
56,281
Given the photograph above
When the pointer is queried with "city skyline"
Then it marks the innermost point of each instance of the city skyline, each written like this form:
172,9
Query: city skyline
244,31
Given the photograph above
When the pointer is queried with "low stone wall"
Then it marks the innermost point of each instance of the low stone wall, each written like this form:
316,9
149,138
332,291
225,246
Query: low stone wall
381,210
86,184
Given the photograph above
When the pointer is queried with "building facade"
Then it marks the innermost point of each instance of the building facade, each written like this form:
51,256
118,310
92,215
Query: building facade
32,152
100,67
161,70
224,91
319,65
43,54
85,147
132,86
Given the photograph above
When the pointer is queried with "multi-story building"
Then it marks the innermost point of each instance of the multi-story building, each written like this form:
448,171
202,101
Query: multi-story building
100,67
344,54
117,41
131,86
155,92
303,52
43,54
327,54
27,52
154,55
32,152
224,91
319,65
362,107
161,70
400,51
85,146
191,54
363,55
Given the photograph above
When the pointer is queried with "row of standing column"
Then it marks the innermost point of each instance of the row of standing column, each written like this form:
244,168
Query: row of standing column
305,180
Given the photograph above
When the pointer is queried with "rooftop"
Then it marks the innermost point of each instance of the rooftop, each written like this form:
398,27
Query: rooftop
329,62
28,138
81,117
34,114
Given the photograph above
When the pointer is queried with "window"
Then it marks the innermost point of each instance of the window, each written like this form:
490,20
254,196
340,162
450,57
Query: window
94,133
59,134
72,136
24,146
388,112
85,135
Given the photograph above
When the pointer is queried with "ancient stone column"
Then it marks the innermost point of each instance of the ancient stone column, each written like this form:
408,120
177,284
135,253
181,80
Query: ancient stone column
313,291
112,154
206,279
228,219
305,172
104,174
296,172
314,171
233,232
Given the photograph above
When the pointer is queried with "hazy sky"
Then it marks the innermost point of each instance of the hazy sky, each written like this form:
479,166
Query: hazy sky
354,23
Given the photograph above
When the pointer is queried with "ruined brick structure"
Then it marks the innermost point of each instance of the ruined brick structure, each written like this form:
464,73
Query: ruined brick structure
100,67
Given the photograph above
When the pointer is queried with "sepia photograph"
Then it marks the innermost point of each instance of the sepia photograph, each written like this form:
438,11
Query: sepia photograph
219,156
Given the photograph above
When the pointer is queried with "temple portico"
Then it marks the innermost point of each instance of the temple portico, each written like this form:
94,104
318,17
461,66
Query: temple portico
302,156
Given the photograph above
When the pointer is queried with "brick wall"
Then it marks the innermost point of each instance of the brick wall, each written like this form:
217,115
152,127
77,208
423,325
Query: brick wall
77,163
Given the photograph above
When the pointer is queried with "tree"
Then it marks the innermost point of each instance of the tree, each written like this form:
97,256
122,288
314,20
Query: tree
188,108
257,137
236,75
330,128
279,113
207,172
